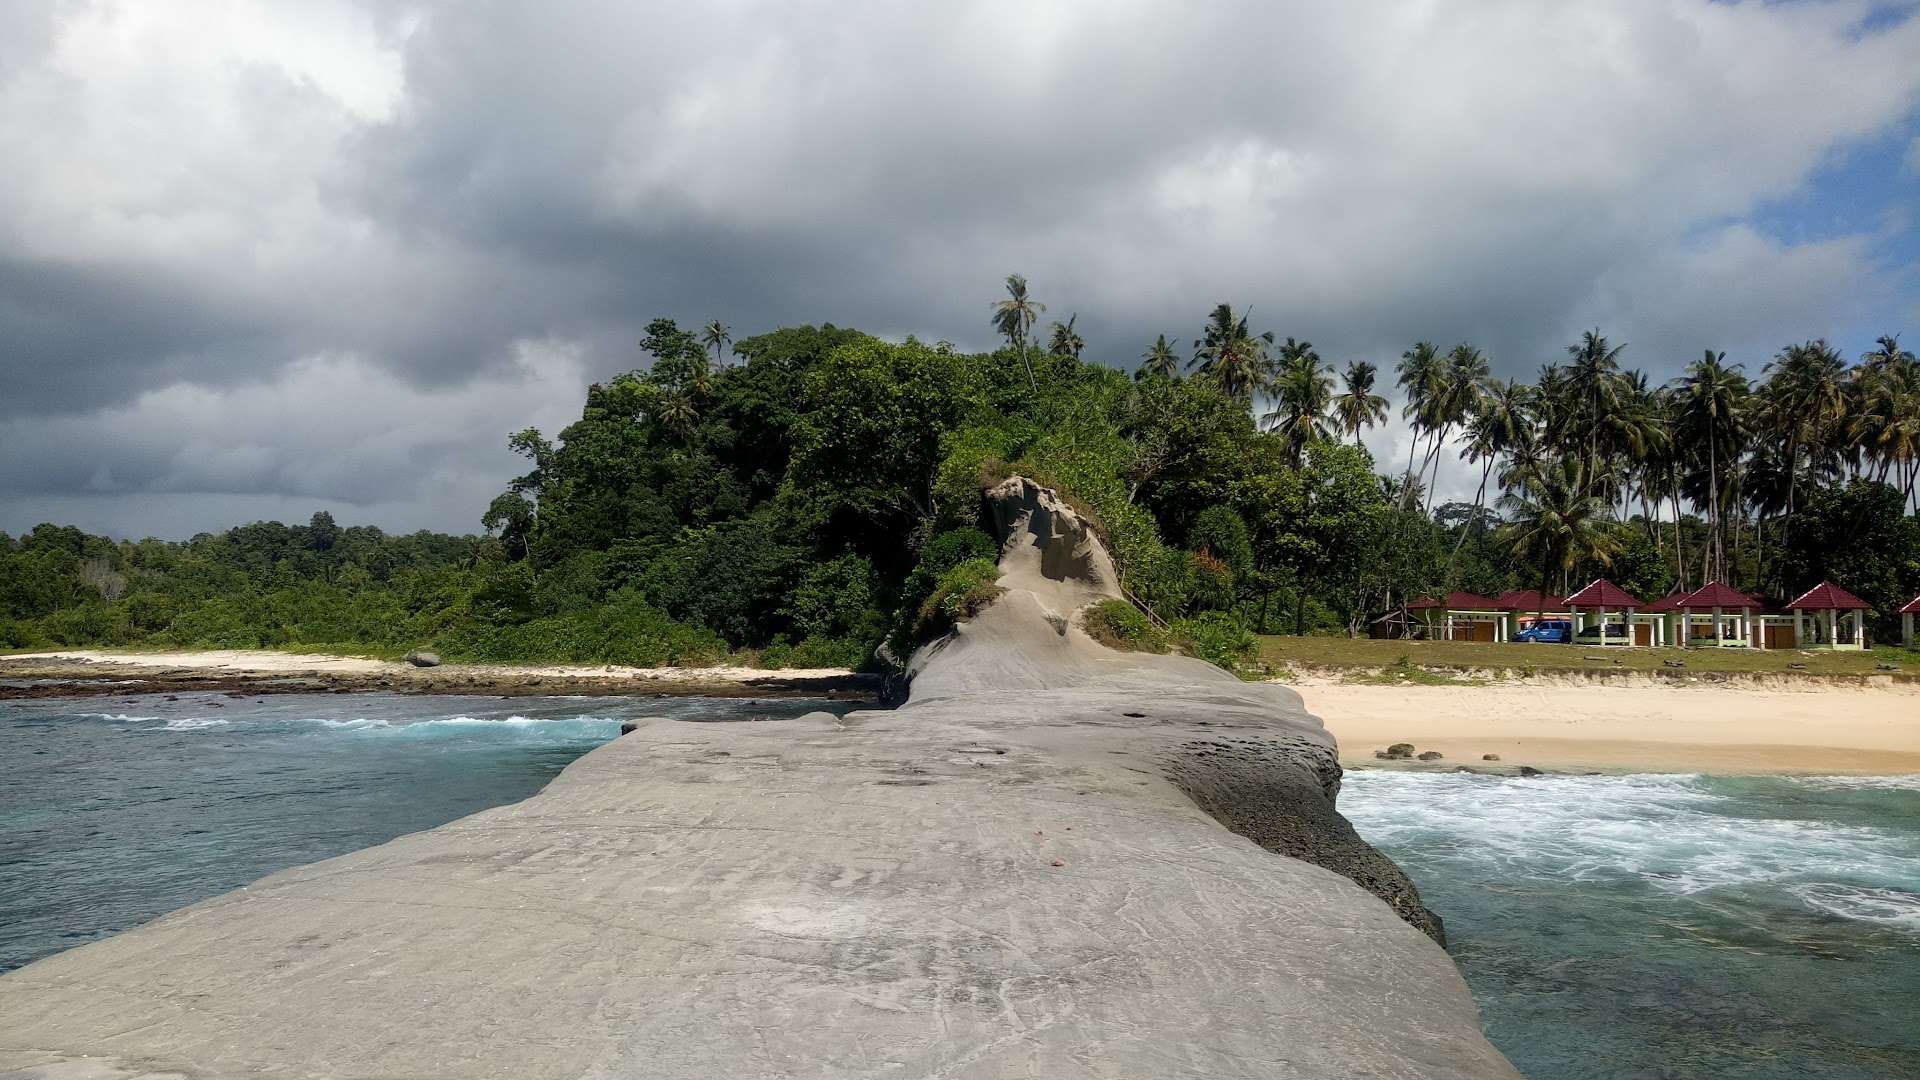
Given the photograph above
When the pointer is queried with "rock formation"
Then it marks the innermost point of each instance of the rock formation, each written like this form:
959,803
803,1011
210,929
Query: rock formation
1022,871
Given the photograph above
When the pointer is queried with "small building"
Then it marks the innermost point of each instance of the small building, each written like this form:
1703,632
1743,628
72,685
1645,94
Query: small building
1397,624
1717,616
1528,606
1604,599
1462,616
1829,617
1906,621
1662,619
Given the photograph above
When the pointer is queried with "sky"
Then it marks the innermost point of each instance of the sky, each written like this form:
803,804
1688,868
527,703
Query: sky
262,259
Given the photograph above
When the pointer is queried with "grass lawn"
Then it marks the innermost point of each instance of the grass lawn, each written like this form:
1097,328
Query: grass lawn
1348,653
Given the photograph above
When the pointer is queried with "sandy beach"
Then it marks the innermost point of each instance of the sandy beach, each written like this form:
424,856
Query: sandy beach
1714,728
1803,726
266,671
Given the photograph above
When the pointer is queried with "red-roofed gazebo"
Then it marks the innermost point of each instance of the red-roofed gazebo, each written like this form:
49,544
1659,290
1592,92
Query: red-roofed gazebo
1906,621
1718,598
1603,596
1838,604
1463,616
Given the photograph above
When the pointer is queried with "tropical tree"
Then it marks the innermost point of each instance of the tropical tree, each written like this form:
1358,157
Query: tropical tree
1065,342
1594,388
1359,407
1805,404
1461,382
1015,316
1555,522
1304,392
1419,374
1711,416
1500,423
1161,358
717,337
1231,355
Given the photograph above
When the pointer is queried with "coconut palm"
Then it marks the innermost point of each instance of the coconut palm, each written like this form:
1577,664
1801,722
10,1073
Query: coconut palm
1304,392
1231,355
1418,373
717,337
1160,357
1065,342
1594,387
1462,381
1500,423
1806,403
1016,315
1555,522
1711,417
678,413
1359,407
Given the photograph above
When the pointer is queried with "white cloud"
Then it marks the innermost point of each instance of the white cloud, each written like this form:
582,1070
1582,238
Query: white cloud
200,195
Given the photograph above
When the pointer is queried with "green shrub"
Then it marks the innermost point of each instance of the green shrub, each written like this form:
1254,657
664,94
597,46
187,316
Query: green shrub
625,630
958,595
1119,625
1215,638
818,652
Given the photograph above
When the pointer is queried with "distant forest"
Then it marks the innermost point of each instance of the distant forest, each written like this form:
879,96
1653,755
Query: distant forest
799,497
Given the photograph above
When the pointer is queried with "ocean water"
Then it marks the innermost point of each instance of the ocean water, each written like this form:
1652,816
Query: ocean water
1671,926
1610,926
114,811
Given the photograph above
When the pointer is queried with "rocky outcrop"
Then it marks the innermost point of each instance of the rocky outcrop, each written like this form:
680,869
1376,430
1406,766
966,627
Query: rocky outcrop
1020,872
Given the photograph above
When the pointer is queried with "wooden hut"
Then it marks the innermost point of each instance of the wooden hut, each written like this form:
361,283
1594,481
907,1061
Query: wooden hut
1601,597
1397,624
1837,617
1723,609
1906,621
1462,616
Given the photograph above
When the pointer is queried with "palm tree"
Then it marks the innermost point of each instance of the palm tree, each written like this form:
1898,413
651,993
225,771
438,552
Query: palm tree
1710,413
1305,393
1500,423
1806,400
717,337
1359,407
1555,522
1462,381
1016,315
1065,342
1160,357
677,412
1593,383
1418,372
1231,355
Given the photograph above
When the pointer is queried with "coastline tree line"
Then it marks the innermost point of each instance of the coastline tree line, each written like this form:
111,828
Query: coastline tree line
802,496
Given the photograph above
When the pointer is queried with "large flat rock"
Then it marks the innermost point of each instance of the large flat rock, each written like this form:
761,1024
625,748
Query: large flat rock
1012,875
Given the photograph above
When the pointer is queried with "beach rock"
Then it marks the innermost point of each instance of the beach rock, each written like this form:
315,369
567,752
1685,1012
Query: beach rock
857,896
1430,755
1489,757
1674,663
422,659
1400,750
1528,770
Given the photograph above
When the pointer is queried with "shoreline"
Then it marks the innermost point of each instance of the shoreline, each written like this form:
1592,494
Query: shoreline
95,672
1555,723
1571,726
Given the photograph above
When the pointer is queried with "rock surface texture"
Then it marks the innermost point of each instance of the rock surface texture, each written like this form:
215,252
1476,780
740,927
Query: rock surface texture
1021,872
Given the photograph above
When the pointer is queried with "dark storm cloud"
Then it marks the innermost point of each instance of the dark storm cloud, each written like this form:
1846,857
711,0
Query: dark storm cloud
241,257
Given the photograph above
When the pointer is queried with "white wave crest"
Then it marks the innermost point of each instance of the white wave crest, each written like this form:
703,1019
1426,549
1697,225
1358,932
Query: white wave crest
194,723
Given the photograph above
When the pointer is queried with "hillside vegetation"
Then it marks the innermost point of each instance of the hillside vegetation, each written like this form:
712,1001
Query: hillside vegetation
814,491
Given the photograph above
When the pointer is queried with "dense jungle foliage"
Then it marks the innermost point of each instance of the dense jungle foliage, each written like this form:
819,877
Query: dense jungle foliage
817,493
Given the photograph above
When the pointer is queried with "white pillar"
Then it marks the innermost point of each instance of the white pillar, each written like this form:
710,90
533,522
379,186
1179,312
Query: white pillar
1860,628
1799,631
1833,628
1719,637
1906,629
1603,624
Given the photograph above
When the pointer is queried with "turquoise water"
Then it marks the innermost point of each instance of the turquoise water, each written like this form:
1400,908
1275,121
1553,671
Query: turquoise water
116,810
1671,926
1611,927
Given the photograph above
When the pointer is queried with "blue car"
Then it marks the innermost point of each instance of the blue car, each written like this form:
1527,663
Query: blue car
1557,631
